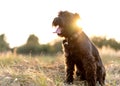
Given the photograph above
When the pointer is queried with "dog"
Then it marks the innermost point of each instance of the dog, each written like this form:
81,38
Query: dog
79,51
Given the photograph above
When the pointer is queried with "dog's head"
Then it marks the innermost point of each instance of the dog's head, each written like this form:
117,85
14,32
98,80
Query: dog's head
66,23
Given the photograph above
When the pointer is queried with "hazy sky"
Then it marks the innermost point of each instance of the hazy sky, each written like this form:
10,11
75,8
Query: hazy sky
20,18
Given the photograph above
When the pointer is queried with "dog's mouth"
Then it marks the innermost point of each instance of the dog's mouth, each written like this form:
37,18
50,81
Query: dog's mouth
57,22
59,26
58,30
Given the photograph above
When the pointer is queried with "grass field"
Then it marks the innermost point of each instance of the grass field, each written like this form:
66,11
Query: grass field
43,70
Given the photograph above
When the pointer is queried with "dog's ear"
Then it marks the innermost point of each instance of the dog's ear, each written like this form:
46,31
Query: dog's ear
77,16
60,13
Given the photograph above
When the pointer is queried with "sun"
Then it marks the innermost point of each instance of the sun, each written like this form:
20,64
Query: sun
82,24
79,23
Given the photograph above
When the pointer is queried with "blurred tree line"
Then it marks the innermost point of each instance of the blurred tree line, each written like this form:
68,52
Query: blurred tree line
4,46
33,47
102,41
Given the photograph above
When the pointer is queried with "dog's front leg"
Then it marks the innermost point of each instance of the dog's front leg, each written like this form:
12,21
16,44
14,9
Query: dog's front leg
69,70
90,70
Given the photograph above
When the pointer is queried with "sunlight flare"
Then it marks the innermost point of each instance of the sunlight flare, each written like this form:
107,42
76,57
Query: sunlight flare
79,23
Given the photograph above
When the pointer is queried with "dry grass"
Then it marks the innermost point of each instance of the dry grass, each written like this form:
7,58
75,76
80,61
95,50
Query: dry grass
18,70
111,60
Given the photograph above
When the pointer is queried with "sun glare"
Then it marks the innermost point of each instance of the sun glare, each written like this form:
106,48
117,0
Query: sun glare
79,23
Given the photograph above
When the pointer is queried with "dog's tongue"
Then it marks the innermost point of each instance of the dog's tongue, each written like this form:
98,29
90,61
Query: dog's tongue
58,31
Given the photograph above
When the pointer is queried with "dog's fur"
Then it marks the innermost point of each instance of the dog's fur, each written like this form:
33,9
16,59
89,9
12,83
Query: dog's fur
79,51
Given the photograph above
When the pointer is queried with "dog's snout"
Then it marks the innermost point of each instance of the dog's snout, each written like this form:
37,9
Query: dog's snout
57,22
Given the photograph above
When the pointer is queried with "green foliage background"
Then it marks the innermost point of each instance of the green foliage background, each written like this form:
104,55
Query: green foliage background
102,41
4,46
33,47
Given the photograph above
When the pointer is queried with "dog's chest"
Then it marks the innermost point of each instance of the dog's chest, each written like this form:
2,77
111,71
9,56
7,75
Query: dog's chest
71,47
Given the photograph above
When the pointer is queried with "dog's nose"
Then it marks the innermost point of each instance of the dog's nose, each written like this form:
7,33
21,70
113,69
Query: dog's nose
57,22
